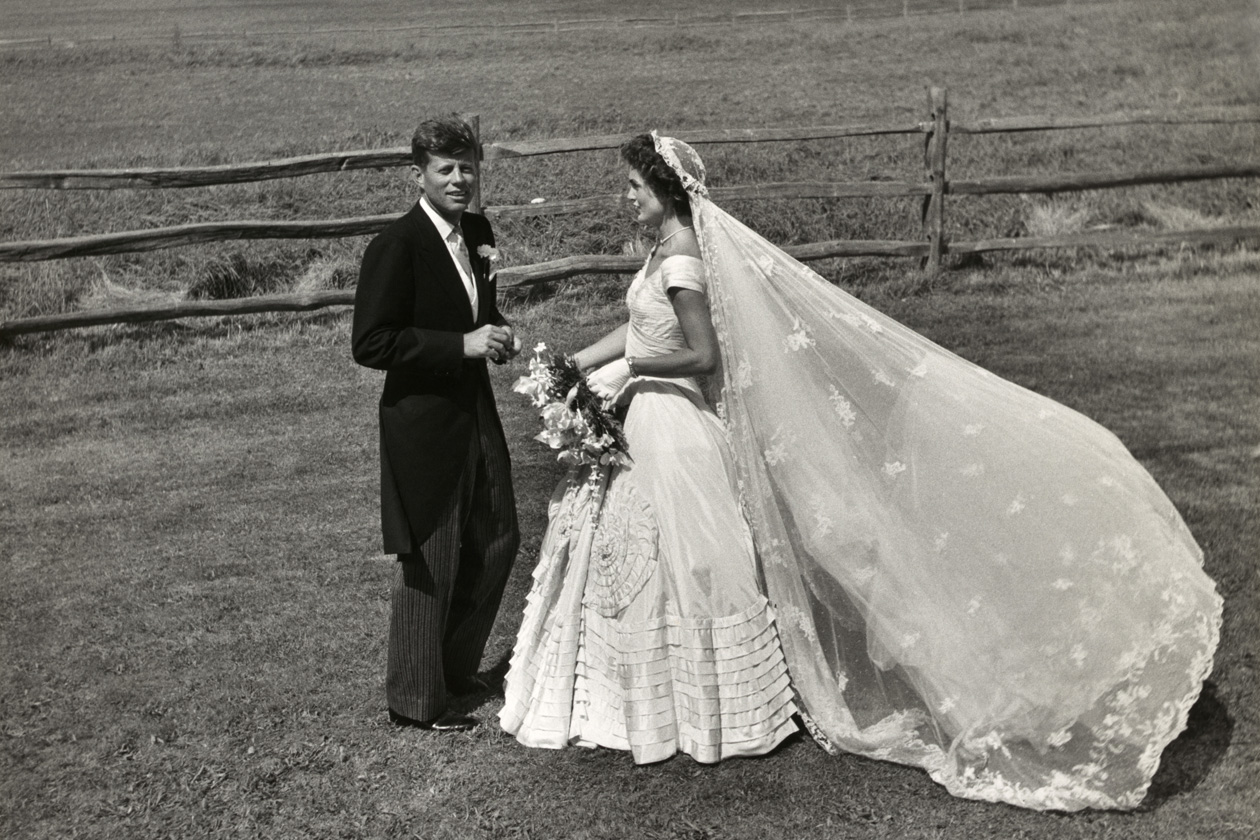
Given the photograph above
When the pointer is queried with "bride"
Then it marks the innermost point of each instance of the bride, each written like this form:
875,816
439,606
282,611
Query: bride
646,628
961,575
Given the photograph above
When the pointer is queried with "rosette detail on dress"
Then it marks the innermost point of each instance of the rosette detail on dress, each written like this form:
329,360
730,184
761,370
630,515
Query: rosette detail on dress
604,657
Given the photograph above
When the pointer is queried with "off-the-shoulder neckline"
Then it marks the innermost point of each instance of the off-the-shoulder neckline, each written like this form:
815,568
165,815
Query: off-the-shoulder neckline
672,257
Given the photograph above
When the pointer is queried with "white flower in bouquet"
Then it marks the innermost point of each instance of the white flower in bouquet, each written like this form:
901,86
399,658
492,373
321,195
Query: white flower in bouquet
575,420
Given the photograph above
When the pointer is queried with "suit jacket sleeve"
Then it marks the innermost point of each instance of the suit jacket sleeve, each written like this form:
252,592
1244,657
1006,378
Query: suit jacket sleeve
383,336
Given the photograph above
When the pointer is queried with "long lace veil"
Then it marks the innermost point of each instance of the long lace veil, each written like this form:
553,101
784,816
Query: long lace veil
968,577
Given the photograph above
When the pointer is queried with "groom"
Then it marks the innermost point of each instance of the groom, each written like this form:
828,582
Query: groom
425,313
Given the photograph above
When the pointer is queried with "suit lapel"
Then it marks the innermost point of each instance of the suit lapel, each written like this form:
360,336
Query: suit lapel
439,260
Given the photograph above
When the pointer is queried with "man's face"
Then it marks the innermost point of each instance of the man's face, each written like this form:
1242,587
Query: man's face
448,182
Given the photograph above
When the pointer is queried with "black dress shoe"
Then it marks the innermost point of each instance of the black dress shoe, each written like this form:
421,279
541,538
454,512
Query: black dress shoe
445,722
451,722
467,685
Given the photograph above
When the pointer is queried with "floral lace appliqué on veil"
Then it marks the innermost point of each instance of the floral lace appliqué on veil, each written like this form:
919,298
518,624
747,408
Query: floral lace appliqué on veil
937,623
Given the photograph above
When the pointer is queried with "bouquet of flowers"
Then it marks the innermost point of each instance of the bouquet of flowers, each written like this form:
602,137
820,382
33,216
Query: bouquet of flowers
575,419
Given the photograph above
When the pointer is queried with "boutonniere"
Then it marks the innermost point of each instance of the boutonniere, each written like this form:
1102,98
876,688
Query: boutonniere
489,256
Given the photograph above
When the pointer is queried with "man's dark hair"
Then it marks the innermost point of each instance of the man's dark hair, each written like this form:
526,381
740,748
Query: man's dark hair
450,135
640,153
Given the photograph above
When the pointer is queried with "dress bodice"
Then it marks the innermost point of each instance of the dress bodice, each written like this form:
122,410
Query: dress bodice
654,328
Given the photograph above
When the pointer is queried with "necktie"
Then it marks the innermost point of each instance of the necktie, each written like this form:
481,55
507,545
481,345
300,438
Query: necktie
460,251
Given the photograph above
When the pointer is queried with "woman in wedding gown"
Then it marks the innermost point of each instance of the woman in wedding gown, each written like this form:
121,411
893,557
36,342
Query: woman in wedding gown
963,575
647,629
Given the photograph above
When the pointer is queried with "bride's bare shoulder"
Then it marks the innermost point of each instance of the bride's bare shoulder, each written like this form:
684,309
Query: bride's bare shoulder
684,244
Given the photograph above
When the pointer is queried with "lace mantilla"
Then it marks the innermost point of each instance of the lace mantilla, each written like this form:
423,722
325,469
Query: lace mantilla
684,161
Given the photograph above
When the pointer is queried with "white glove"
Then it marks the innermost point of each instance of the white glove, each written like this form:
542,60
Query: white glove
609,381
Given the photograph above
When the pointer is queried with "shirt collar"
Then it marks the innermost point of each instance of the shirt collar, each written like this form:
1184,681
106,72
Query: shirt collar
444,227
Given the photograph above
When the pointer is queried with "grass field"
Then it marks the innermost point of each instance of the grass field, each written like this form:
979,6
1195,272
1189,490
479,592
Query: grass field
193,600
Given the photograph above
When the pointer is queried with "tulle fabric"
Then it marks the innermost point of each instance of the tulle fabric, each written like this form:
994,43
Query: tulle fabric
969,577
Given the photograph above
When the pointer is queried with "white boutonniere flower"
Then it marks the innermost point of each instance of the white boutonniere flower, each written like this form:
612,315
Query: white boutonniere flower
488,252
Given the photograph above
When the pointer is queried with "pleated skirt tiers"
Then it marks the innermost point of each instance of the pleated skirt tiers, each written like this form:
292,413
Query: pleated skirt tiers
645,629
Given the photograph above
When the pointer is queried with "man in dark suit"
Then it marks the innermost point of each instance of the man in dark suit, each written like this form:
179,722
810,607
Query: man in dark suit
425,313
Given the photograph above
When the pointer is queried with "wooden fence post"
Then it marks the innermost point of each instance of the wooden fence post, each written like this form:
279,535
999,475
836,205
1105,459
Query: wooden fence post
934,161
474,120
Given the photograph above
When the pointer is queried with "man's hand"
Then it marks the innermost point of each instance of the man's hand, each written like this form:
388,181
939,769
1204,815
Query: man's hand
489,342
514,345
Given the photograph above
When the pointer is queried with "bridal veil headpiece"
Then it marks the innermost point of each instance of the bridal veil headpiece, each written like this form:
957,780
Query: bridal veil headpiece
684,161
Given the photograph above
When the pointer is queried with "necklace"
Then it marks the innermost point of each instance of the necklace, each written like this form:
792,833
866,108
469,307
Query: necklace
663,240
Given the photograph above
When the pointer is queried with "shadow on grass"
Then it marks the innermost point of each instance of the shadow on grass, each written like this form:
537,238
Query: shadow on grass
493,678
1188,760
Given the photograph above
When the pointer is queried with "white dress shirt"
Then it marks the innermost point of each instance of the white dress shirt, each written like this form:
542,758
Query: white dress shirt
454,239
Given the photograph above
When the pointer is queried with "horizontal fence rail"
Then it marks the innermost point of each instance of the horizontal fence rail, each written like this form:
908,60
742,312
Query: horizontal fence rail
160,178
176,236
1082,181
156,239
1126,238
747,192
1049,122
932,191
206,176
568,267
182,309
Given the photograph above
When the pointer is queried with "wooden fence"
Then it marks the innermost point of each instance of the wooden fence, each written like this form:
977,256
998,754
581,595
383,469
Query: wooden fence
932,192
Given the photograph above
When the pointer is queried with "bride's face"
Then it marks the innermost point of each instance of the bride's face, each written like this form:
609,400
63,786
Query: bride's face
650,209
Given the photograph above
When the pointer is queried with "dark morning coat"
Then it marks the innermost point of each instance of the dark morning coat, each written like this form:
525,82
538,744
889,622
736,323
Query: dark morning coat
411,312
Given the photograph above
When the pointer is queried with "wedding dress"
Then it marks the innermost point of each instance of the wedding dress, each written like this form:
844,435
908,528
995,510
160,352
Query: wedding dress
965,576
646,629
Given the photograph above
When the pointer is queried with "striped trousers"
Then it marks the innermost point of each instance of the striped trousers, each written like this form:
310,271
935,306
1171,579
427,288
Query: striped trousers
446,594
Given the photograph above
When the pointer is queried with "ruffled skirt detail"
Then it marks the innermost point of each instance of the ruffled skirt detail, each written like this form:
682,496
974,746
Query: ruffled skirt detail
639,632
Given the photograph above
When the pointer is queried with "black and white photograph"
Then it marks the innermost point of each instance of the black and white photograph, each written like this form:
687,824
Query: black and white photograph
576,420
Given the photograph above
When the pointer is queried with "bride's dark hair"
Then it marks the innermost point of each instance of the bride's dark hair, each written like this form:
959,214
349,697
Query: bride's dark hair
640,153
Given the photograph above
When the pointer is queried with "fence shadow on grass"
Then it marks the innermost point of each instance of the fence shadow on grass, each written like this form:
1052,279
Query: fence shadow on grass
1188,760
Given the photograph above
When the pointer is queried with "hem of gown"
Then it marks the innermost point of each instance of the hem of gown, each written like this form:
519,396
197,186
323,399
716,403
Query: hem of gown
712,688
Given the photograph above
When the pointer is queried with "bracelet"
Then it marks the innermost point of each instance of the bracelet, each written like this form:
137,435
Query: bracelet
630,364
